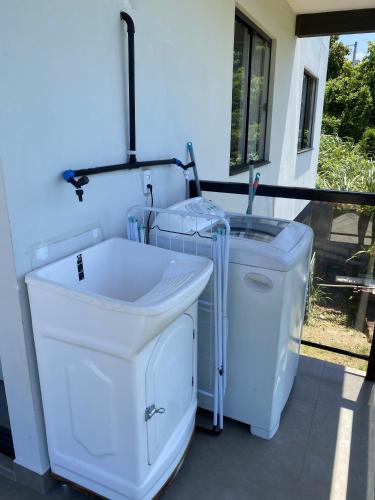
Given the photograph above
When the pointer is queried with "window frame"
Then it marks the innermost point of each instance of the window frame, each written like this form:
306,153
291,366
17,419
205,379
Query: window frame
253,29
310,145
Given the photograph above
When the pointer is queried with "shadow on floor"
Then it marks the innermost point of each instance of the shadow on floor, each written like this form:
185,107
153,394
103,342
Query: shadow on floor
6,441
325,449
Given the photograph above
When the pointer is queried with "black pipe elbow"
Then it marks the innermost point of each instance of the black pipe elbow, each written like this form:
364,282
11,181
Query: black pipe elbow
129,21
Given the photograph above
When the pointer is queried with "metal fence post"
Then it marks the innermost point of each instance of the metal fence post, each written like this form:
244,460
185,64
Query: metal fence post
370,374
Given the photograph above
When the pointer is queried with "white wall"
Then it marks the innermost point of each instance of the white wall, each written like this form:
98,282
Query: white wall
299,169
17,358
63,105
289,58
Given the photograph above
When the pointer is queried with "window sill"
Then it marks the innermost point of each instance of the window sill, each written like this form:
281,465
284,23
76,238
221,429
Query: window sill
305,150
240,169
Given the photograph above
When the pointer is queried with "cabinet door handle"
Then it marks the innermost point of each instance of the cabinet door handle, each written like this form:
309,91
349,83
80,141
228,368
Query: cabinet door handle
151,411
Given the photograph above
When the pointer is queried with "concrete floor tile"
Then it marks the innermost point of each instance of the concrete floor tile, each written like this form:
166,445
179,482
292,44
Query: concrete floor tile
333,372
341,388
306,388
340,457
324,449
315,480
311,366
238,465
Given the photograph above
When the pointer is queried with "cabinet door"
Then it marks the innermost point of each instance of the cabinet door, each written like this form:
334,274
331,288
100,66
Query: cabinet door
169,383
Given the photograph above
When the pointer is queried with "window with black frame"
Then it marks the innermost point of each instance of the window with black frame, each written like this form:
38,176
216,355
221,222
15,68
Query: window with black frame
306,122
251,67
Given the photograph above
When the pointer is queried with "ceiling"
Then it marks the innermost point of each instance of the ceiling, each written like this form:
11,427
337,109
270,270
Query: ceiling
312,6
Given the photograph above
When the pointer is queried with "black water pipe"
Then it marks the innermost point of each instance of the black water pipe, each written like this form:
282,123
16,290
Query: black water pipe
129,166
70,175
132,138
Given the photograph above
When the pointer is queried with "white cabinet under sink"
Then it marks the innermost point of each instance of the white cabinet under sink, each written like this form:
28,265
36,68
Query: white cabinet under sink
170,380
117,363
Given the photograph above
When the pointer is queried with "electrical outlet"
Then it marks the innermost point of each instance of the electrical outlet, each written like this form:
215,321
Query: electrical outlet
147,179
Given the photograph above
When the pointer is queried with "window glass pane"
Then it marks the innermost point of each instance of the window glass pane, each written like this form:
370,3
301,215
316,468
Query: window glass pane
260,59
302,115
310,98
307,112
239,93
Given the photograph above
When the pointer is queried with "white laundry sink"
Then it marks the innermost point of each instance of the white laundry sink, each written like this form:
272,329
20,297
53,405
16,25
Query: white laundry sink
148,286
115,337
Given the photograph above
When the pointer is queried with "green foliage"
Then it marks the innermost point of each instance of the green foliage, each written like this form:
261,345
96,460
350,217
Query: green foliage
316,295
330,125
347,149
337,56
343,166
368,70
349,107
368,141
348,99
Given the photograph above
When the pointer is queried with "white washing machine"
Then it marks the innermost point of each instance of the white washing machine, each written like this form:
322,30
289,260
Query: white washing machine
268,276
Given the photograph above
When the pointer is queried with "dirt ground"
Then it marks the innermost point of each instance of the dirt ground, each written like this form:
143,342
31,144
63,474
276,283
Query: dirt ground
328,326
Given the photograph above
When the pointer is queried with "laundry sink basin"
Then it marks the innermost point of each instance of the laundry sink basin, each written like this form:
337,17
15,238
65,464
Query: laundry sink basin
131,289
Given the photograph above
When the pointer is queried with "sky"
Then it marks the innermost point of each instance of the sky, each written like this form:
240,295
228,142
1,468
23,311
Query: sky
362,40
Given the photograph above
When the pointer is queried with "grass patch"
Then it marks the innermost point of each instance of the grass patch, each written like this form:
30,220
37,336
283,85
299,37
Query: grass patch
329,326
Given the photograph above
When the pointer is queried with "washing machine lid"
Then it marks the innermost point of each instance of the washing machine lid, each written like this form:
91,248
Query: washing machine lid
255,228
266,242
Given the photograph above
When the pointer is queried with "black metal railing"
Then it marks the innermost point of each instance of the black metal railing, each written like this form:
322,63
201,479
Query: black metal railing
326,198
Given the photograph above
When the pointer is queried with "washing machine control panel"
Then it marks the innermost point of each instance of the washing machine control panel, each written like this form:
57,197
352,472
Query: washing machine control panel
204,207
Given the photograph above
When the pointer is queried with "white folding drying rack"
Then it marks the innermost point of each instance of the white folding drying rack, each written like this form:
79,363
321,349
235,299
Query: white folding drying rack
203,235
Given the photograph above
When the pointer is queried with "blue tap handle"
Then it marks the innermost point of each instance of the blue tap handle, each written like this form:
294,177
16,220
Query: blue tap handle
68,175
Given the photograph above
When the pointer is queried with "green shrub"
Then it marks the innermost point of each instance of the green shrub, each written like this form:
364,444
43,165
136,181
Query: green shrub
368,141
343,165
330,124
348,98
